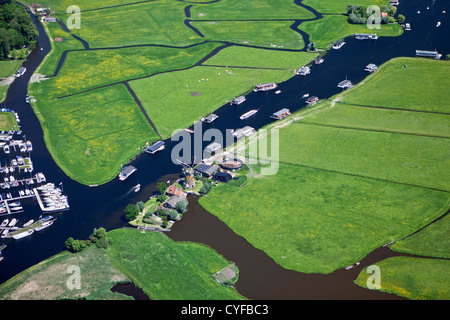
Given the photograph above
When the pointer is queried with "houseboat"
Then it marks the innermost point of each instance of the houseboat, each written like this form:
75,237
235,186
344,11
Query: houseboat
338,44
345,84
21,71
265,86
371,67
248,114
281,114
238,100
319,61
366,36
246,131
126,172
428,54
303,71
157,146
312,99
210,118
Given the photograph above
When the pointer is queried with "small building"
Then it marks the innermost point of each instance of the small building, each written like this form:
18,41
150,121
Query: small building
212,148
175,191
210,118
312,99
171,203
281,114
206,170
222,177
238,100
243,132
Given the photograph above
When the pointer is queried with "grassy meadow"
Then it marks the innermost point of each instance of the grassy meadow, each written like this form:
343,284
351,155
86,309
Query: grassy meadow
8,122
330,28
166,269
347,185
162,268
338,6
86,144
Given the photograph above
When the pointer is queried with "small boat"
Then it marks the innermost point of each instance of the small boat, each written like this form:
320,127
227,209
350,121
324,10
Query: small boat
5,233
210,118
438,24
16,208
44,225
29,223
4,223
278,92
29,146
351,266
248,114
407,27
303,71
319,61
14,204
137,187
6,149
157,146
312,99
27,100
23,234
238,100
338,44
265,86
306,95
12,223
126,172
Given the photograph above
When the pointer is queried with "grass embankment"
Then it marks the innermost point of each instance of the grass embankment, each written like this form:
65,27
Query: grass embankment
161,267
330,28
166,269
413,277
340,191
338,6
7,70
48,279
8,122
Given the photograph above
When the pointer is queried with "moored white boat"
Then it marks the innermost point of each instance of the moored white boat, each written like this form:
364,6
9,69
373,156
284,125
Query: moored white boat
23,234
248,114
44,225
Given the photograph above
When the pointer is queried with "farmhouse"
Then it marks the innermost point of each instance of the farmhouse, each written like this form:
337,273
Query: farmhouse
206,170
171,203
175,191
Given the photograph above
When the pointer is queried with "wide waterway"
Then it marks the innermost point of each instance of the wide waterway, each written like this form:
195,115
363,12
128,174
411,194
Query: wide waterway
260,277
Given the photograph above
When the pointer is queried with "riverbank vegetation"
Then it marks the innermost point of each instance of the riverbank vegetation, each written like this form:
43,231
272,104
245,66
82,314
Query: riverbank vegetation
346,187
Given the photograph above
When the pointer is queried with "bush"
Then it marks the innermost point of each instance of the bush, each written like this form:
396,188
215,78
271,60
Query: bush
131,212
182,205
401,18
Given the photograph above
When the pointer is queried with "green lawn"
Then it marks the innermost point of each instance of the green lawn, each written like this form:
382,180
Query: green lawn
103,67
9,67
343,188
277,34
178,99
8,122
169,270
242,10
412,278
427,79
48,279
91,134
326,31
338,6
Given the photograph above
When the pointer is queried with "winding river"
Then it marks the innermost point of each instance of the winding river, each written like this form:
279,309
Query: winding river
260,277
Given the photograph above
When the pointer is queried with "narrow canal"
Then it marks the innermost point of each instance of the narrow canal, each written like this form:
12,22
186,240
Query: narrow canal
260,277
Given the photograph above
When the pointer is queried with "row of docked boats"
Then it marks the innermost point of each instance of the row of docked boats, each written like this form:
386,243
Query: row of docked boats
23,146
52,198
10,231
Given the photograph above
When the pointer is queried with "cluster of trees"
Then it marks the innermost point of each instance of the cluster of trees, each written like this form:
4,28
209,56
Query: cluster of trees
359,14
132,210
98,237
16,29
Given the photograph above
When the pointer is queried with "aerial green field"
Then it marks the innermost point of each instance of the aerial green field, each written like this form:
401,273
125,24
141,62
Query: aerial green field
8,122
166,269
162,268
326,31
338,6
344,187
86,144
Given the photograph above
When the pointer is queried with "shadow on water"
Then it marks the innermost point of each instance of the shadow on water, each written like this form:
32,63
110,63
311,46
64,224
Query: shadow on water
260,276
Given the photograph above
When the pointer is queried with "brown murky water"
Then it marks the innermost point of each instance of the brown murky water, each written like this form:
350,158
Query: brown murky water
260,278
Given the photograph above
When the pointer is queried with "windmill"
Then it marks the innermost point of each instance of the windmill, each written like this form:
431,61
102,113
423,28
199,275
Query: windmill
189,180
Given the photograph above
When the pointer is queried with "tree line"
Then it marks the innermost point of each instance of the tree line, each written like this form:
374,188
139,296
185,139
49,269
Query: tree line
16,28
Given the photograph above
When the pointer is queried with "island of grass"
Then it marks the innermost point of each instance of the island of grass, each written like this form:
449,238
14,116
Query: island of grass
8,122
347,187
162,268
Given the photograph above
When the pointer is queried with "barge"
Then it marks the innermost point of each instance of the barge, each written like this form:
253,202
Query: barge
281,114
126,172
248,114
157,146
265,86
238,100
